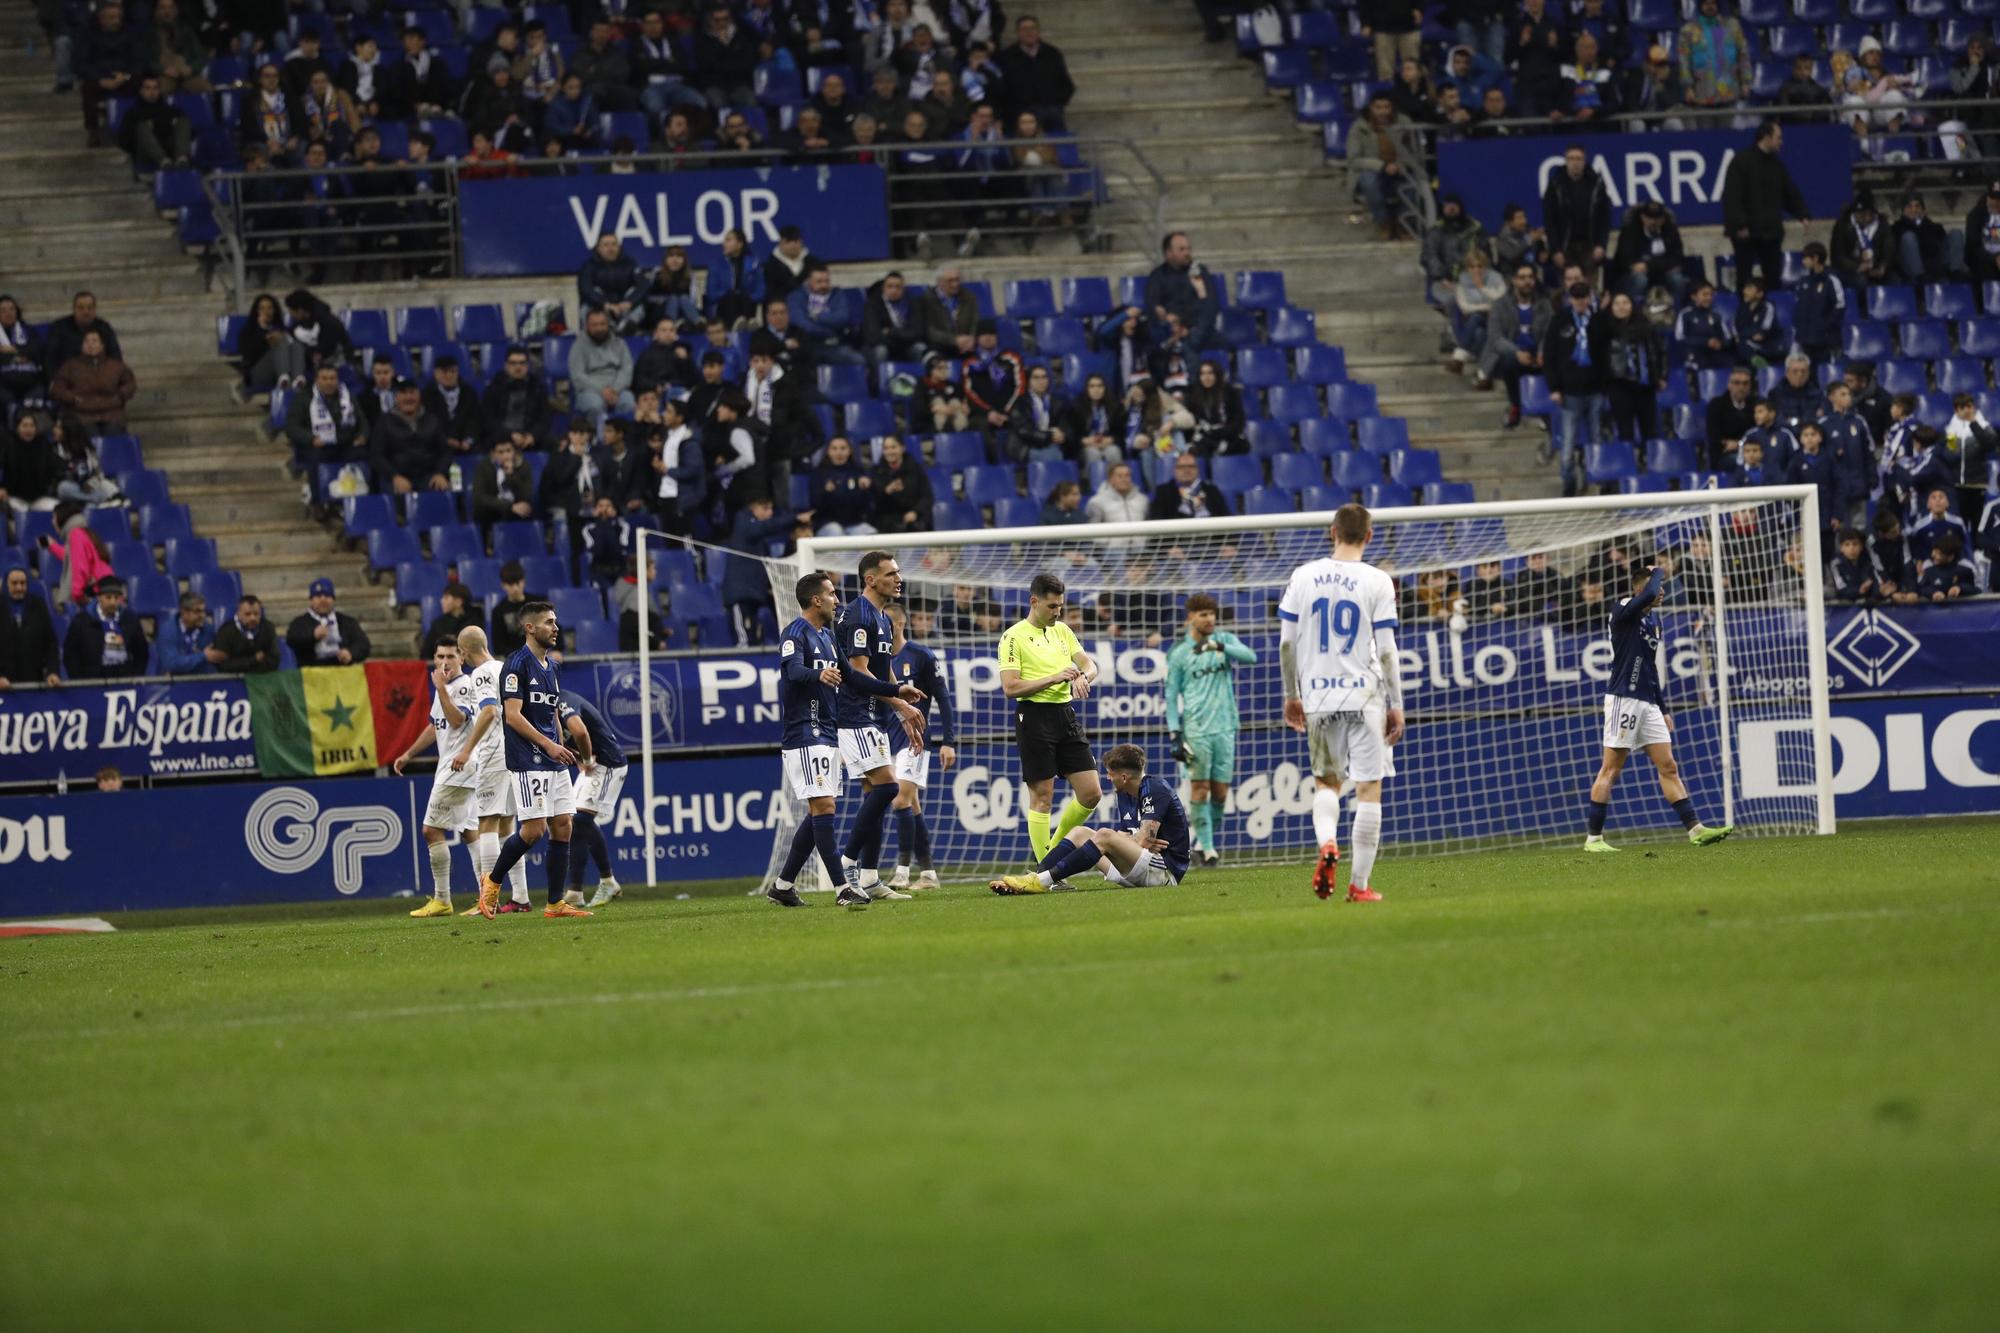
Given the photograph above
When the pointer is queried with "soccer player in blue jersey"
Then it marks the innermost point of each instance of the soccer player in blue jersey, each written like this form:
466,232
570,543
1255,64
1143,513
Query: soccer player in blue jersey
1149,848
868,692
914,664
1635,715
596,796
811,668
531,708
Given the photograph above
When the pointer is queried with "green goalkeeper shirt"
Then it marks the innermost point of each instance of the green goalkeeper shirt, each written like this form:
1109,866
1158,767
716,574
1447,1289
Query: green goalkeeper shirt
1201,683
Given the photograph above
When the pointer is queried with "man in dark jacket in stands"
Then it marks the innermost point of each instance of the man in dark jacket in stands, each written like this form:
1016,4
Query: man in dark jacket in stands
1187,495
407,446
610,281
453,404
456,610
106,640
516,405
1757,192
155,133
65,338
503,487
1982,239
1574,353
892,328
246,642
1649,253
108,60
950,315
27,636
1728,417
323,636
1035,77
1179,286
1576,213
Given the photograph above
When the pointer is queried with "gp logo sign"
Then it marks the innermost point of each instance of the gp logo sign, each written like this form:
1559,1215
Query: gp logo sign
288,834
1873,647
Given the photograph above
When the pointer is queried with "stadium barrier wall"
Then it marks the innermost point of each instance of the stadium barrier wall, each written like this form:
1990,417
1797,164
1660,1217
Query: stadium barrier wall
1683,170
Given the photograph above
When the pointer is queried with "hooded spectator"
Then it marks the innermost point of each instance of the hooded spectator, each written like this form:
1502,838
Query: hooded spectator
27,634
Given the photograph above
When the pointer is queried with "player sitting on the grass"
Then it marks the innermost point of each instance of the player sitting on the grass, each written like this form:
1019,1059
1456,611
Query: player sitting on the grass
596,799
914,664
1202,717
1149,847
1634,714
810,665
453,790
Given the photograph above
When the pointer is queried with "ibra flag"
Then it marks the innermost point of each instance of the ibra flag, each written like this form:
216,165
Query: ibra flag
315,721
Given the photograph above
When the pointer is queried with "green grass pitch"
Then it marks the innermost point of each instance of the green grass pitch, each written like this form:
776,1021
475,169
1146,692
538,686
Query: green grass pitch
1748,1087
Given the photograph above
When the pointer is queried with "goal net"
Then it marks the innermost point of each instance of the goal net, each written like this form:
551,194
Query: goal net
1504,650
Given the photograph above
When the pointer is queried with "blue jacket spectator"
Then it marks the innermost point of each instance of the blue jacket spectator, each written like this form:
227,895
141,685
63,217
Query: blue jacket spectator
183,644
1891,554
1760,334
826,320
1182,287
1814,466
1472,73
1946,577
607,541
1853,448
758,526
1780,447
1850,575
1822,302
106,640
682,460
1938,526
1701,332
610,281
735,281
571,116
843,495
1797,398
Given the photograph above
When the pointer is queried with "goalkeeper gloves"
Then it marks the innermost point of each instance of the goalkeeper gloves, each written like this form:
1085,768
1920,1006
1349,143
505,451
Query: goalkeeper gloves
1182,754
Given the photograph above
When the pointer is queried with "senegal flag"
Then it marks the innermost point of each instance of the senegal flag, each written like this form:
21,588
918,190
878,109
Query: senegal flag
312,722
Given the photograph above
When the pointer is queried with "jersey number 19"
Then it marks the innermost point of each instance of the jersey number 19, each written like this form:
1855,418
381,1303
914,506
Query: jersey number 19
1337,620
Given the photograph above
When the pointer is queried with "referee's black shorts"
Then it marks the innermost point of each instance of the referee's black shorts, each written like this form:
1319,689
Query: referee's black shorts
1050,739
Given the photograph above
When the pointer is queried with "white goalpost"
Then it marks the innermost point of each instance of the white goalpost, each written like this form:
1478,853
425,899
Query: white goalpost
1504,711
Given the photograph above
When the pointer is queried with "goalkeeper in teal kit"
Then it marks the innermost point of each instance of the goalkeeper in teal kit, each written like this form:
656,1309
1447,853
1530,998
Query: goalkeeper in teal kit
1201,714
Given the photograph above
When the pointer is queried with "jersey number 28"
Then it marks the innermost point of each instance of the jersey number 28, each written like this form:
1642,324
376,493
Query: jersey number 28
1337,620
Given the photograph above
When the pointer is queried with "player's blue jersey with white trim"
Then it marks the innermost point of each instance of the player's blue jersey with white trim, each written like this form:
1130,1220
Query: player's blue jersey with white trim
861,630
532,681
807,703
1156,800
917,665
604,747
1635,646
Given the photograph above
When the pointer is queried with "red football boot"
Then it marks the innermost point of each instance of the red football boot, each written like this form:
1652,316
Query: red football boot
1361,893
1324,868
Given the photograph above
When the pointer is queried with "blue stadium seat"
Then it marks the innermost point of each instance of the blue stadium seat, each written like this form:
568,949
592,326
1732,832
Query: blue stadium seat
1262,367
980,291
1892,303
1295,472
429,509
1294,402
481,576
455,543
1960,374
1030,298
157,595
1286,67
130,558
369,330
222,589
1262,289
1925,338
1904,37
870,418
1788,41
1353,469
1268,438
1949,300
1415,467
1042,477
1317,29
1078,367
117,454
1350,402
1646,484
1234,474
1387,495
1018,511
228,328
842,384
989,483
1605,464
956,515
1318,364
365,514
1132,290
162,523
1086,298
143,487
1325,437
420,326
1711,383
110,523
1061,335
546,573
1902,376
188,556
1292,326
1322,499
958,450
480,324
1762,13
1319,102
1237,328
1865,342
1535,400
1449,493
416,580
576,605
518,539
595,638
1688,423
1669,456
1382,435
392,546
1267,500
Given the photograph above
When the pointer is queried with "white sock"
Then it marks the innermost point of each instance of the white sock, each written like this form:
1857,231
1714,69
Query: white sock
1047,877
441,870
1326,814
517,880
1367,840
485,851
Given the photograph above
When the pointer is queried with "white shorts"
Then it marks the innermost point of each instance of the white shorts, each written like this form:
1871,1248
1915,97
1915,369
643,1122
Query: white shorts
1150,873
543,795
914,766
599,790
451,808
812,770
863,749
1347,745
496,792
1631,724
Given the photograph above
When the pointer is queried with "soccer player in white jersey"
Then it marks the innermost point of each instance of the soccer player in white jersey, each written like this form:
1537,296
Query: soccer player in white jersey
485,754
453,705
1336,648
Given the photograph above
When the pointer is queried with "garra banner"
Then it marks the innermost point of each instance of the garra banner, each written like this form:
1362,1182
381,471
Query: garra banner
549,224
1684,171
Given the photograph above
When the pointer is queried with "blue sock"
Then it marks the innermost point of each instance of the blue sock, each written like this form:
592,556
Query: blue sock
906,835
579,831
829,848
1057,855
558,869
511,851
1081,860
1684,807
864,844
801,848
600,850
923,842
1598,810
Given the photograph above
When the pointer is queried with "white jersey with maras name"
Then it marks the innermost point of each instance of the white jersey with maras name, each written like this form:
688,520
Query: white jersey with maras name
1330,614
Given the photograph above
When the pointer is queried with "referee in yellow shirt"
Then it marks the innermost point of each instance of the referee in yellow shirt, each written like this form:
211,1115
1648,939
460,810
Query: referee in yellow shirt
1043,669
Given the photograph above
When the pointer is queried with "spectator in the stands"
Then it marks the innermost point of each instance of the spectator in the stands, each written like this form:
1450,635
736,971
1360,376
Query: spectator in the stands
1490,117
457,610
270,356
1803,92
1850,575
1761,337
1701,332
94,385
173,49
746,591
610,281
65,336
826,320
407,446
1752,468
1779,443
327,115
187,641
1757,191
945,107
843,494
449,401
600,369
1181,286
106,641
892,327
671,292
738,137
1384,156
1714,59
732,451
1820,306
1217,406
1797,398
1118,500
675,475
85,558
885,100
1871,402
1937,522
155,133
1576,212
776,415
1655,86
1063,505
1395,30
570,121
836,109
1035,431
985,175
317,329
1635,371
1988,538
108,59
735,289
418,85
76,473
324,636
503,487
378,396
1574,351
950,315
516,404
1649,252
570,482
1125,336
809,140
1187,495
789,263
305,58
514,595
1516,243
22,359
539,68
1973,439
658,71
360,76
607,541
604,67
1412,93
619,462
1533,591
1945,577
1534,51
1035,77
1587,92
725,56
1470,308
1847,438
324,424
667,362
1094,421
994,378
938,402
1445,246
30,464
1921,244
27,636
1514,332
1170,362
902,489
1886,545
626,597
1982,238
1473,66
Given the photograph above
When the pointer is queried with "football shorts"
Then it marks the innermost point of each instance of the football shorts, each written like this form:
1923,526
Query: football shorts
543,795
1214,757
1050,741
496,792
863,749
451,807
812,771
1150,873
1346,745
1632,724
598,792
914,766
